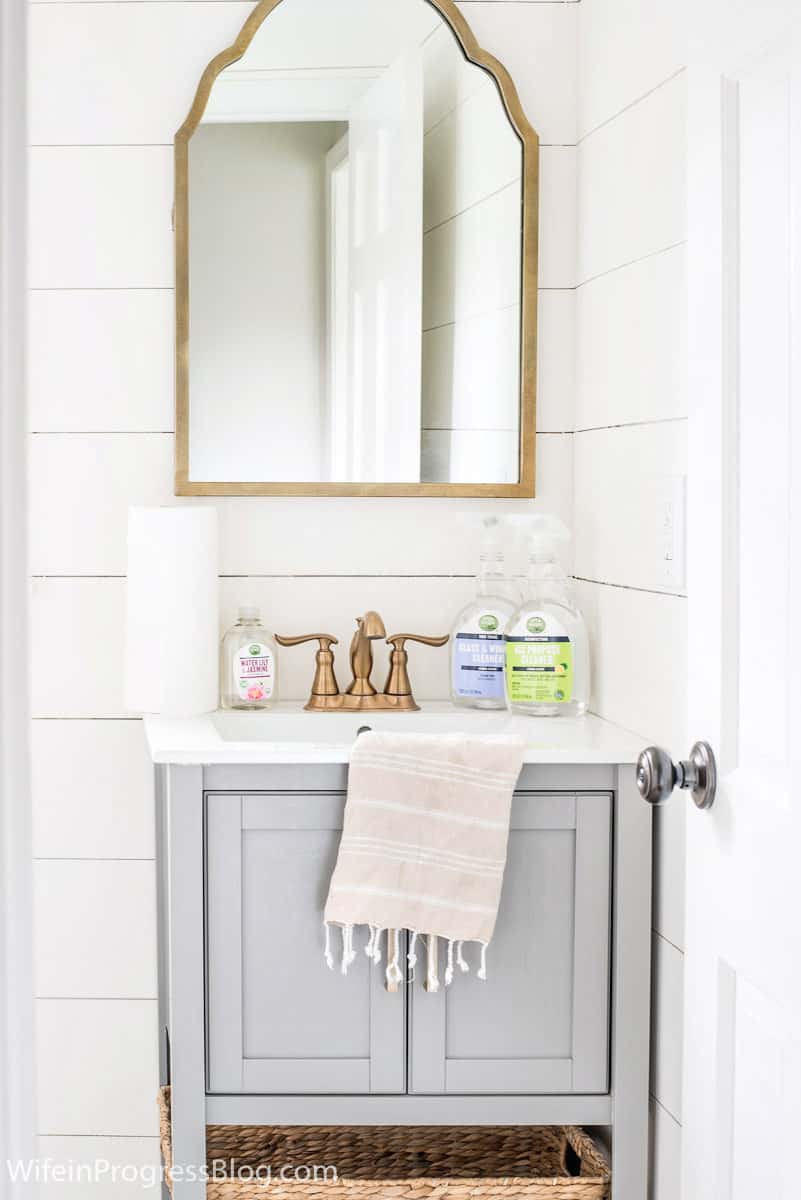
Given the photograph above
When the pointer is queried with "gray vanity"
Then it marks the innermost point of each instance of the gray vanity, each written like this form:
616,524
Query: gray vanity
257,1029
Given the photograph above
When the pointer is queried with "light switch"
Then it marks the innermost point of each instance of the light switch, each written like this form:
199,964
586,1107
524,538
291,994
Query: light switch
671,533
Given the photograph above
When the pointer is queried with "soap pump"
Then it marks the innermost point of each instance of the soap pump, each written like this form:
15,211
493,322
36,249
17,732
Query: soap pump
547,652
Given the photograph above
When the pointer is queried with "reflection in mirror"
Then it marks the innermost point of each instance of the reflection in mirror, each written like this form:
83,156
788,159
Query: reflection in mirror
354,257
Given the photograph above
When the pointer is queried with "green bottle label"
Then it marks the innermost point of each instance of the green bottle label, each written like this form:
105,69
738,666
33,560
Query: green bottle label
539,665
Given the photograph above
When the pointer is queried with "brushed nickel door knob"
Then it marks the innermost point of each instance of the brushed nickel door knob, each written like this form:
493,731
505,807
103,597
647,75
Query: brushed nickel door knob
658,775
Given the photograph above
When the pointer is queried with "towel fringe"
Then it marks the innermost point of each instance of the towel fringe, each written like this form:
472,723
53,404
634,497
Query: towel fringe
411,957
449,967
394,973
432,967
348,953
482,971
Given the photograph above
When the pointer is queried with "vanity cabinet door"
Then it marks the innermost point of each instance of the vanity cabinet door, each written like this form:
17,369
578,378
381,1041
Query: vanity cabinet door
540,1022
279,1021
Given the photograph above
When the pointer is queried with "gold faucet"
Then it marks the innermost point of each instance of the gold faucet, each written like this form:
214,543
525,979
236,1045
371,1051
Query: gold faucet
360,694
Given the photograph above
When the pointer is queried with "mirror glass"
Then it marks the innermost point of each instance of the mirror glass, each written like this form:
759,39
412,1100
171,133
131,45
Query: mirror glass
354,256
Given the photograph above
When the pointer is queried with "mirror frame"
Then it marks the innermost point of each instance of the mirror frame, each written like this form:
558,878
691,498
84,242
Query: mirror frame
525,488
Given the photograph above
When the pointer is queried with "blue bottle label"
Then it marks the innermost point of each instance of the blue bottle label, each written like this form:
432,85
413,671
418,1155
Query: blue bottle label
478,662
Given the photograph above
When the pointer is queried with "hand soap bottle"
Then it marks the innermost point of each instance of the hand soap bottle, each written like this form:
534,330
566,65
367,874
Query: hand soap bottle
547,651
249,664
477,641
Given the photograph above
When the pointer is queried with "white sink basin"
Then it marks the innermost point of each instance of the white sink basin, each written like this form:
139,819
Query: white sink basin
288,734
280,725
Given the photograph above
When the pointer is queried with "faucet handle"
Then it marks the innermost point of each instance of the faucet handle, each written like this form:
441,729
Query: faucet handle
398,640
325,682
326,640
398,683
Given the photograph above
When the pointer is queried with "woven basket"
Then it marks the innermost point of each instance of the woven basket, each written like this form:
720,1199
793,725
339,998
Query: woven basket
421,1162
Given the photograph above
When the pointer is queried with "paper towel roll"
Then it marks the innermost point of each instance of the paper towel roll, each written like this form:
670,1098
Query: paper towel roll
172,628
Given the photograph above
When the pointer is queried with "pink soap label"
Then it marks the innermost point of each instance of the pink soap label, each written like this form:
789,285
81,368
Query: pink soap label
254,672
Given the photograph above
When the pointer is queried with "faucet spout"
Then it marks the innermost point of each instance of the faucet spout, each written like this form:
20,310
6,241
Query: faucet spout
371,626
368,629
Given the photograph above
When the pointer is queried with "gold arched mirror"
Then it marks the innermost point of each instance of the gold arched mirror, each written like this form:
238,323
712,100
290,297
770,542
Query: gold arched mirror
356,260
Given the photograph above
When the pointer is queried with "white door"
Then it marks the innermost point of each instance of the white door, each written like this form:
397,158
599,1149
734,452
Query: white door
385,153
742,1085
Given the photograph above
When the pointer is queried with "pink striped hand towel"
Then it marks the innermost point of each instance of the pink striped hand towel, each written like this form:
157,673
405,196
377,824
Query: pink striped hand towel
424,842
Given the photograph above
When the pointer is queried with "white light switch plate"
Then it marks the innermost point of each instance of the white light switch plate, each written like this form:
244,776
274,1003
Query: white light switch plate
671,532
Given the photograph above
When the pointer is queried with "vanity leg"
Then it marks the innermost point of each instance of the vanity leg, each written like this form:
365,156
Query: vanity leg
631,990
184,855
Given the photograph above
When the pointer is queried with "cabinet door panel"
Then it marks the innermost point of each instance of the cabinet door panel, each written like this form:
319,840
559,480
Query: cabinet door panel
279,1020
539,1024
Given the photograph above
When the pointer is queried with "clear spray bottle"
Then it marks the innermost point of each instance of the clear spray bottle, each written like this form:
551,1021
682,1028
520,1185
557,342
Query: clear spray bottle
477,641
547,649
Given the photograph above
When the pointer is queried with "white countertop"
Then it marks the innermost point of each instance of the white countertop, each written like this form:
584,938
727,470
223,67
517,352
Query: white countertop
287,734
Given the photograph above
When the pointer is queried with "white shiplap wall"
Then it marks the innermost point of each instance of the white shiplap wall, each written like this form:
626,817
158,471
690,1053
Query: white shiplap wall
631,436
109,84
